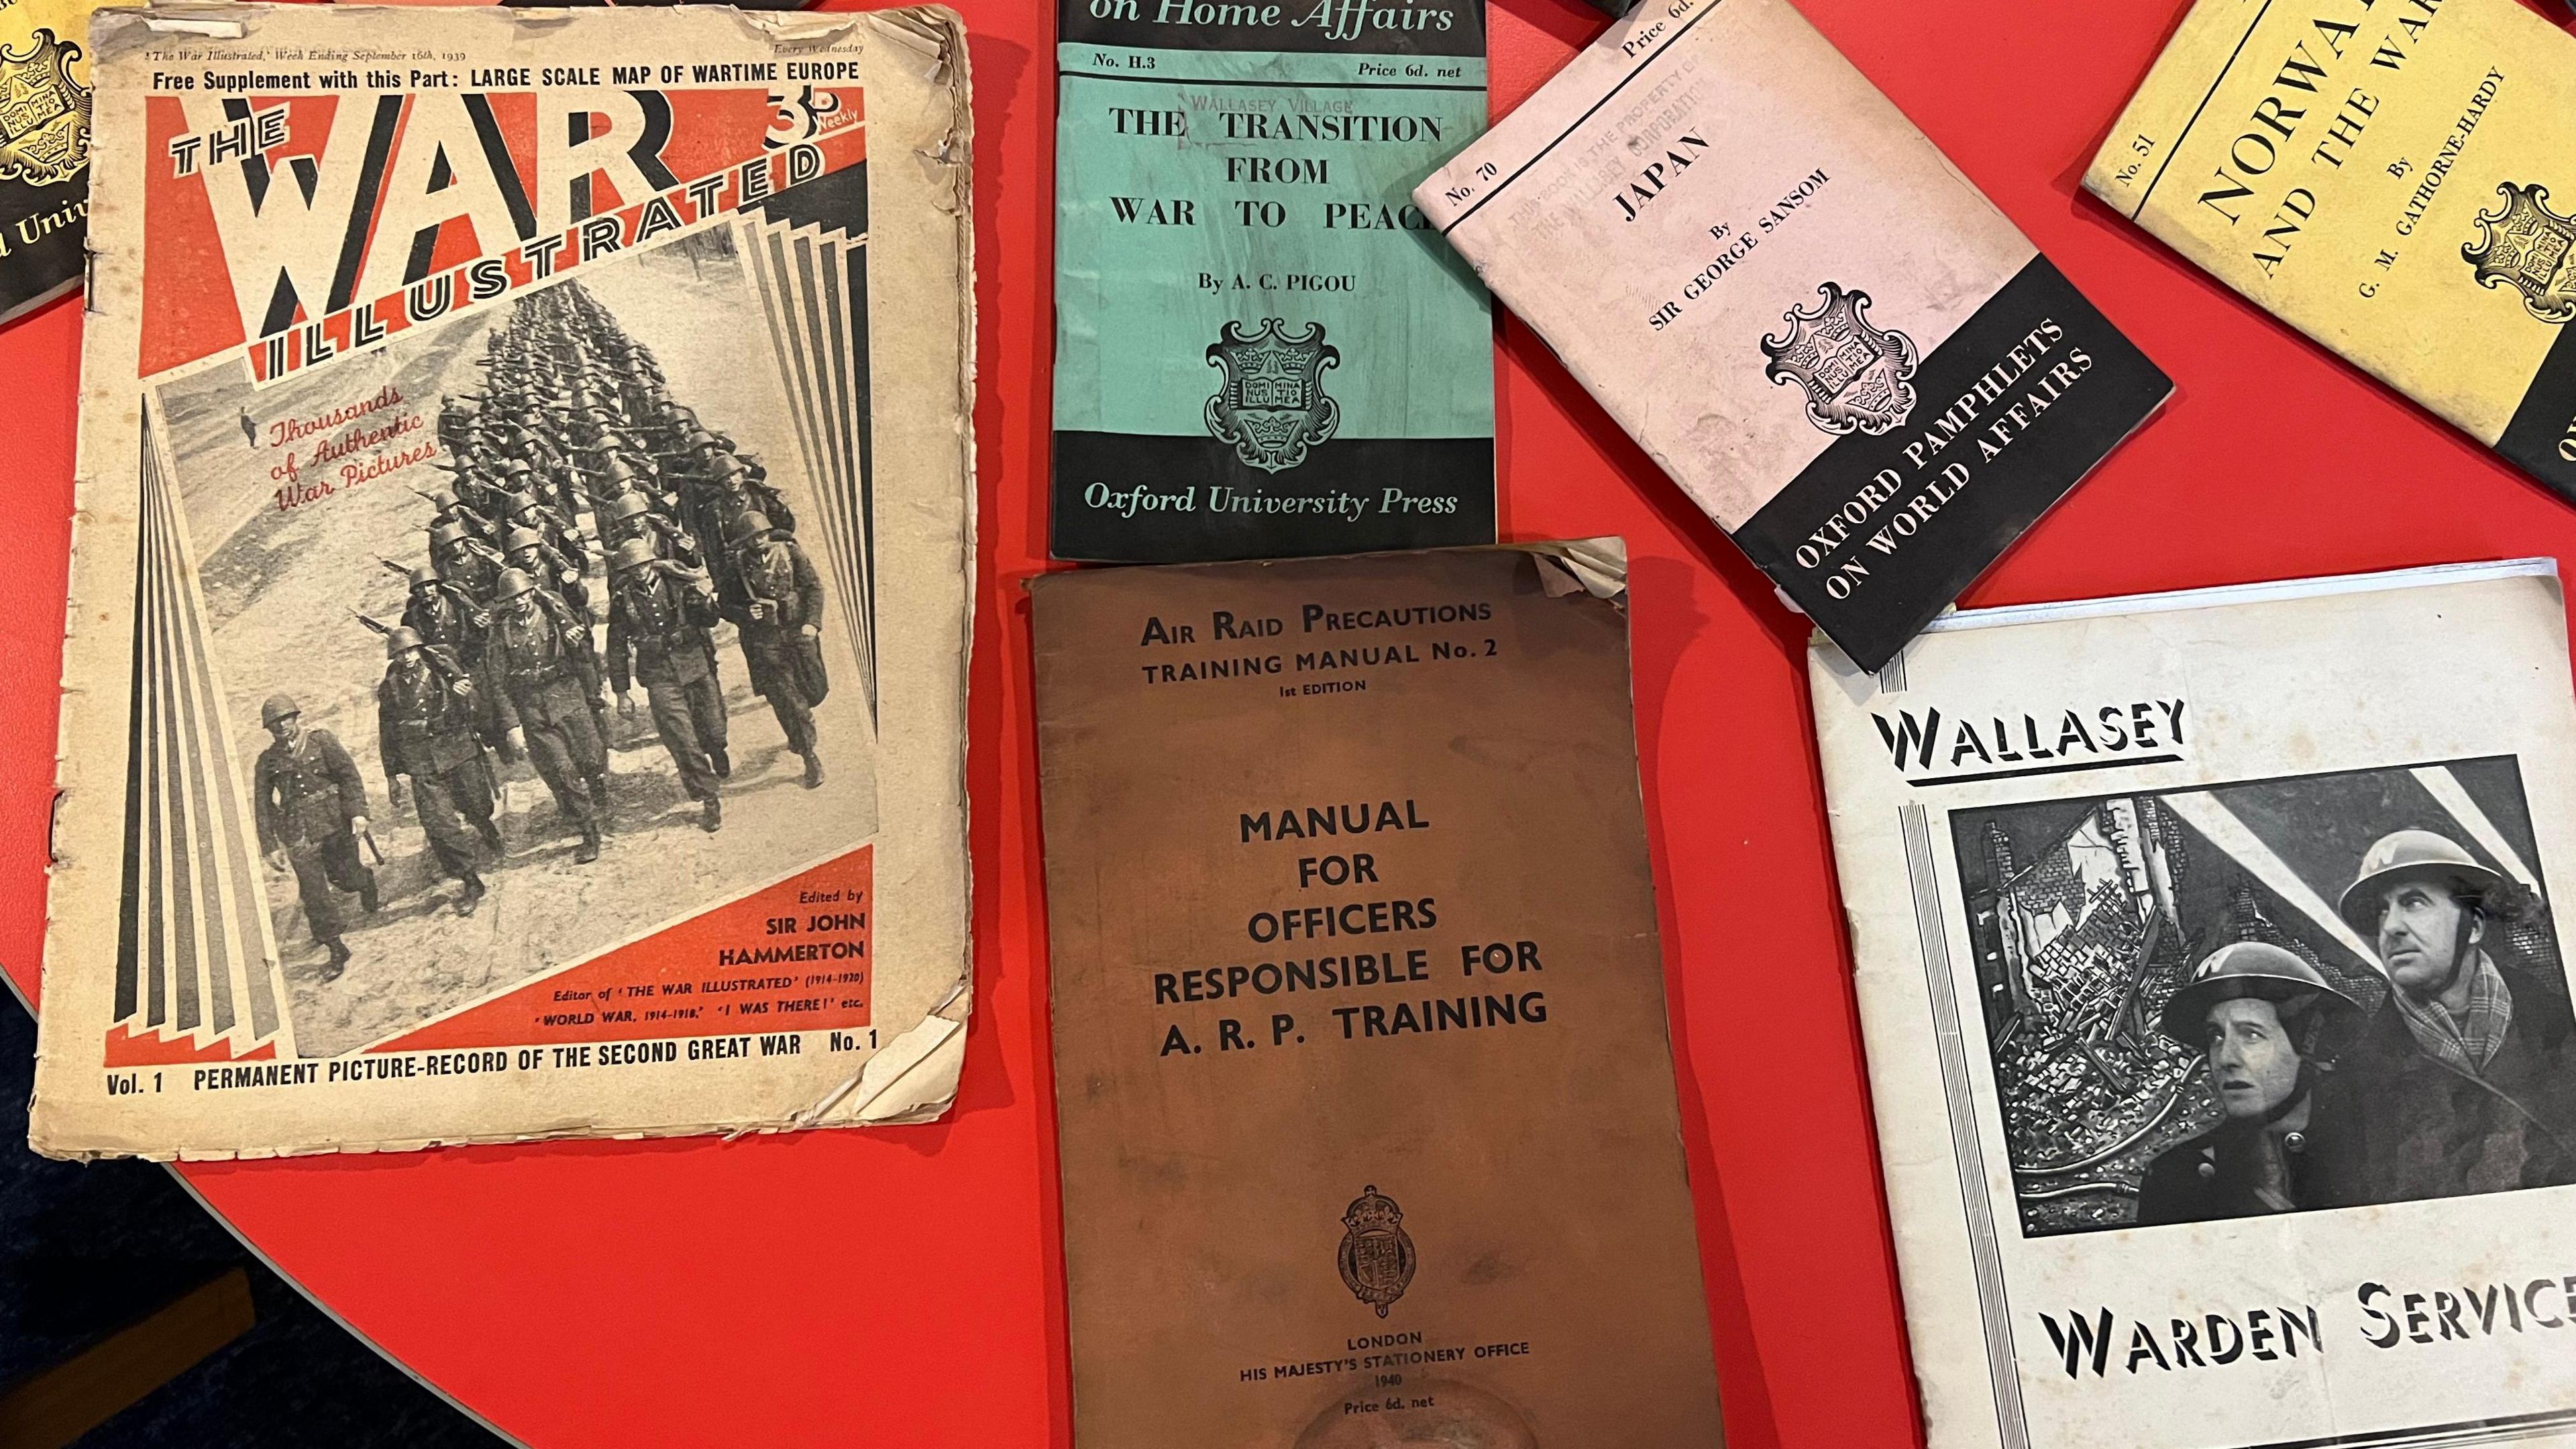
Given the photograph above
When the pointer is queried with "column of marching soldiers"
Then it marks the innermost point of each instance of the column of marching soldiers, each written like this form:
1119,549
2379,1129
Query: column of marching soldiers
496,654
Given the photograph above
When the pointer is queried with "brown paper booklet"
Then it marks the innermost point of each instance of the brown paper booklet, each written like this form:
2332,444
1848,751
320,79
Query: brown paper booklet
1364,1086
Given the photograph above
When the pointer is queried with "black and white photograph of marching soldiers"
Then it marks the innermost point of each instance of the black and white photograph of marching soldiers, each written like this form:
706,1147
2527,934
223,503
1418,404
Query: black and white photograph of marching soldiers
529,644
2317,992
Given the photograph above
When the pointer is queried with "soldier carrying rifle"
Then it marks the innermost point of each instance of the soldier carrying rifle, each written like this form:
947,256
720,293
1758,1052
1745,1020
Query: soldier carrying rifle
425,728
658,616
780,617
631,515
533,650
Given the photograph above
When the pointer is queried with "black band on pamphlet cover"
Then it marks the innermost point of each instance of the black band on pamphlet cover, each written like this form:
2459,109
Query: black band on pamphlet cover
1883,530
2541,439
44,226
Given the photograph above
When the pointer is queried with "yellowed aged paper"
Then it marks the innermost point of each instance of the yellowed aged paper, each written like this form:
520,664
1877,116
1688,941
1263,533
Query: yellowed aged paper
515,671
2217,1016
2394,179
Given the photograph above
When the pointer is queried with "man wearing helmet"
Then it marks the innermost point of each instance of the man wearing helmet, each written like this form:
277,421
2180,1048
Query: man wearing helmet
452,509
727,485
562,593
461,559
658,617
607,462
779,614
533,652
533,554
471,482
631,515
455,416
2260,1017
524,510
446,617
310,806
425,722
2471,1078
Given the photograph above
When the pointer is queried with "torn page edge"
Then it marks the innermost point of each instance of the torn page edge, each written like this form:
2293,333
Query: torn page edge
113,32
1596,566
797,29
926,1062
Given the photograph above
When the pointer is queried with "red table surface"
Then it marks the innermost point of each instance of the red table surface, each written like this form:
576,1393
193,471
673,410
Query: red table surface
905,1287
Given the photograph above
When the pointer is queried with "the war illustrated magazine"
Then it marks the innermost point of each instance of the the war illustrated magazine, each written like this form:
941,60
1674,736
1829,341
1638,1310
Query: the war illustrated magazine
1363,1077
1844,354
1261,347
2217,1013
2394,178
44,149
515,670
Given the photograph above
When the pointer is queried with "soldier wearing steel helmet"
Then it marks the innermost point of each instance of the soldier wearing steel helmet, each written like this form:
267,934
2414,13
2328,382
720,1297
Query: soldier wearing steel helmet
463,560
2470,1063
425,729
664,430
658,617
2266,1024
446,617
616,472
523,509
562,592
448,507
533,652
309,804
470,479
631,515
533,554
456,414
607,459
716,501
778,613
725,484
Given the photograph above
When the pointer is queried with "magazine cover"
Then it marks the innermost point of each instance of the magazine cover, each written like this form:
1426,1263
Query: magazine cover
515,671
2217,1015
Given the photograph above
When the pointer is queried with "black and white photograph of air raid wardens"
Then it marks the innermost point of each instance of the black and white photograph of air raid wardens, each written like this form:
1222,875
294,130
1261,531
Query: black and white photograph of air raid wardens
577,666
2320,991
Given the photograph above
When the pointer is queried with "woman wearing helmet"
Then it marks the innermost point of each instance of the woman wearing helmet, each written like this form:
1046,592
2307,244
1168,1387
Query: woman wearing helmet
2258,1015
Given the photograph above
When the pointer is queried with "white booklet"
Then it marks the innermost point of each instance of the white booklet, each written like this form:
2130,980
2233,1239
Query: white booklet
2218,1021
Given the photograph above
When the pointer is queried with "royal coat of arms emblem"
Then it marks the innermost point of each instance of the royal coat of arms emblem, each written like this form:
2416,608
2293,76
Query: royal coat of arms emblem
44,112
1376,1256
1856,375
1272,406
2527,245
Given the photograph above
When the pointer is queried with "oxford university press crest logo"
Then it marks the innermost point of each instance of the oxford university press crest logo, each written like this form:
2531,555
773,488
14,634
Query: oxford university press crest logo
1857,376
1376,1256
1272,405
2527,245
44,111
